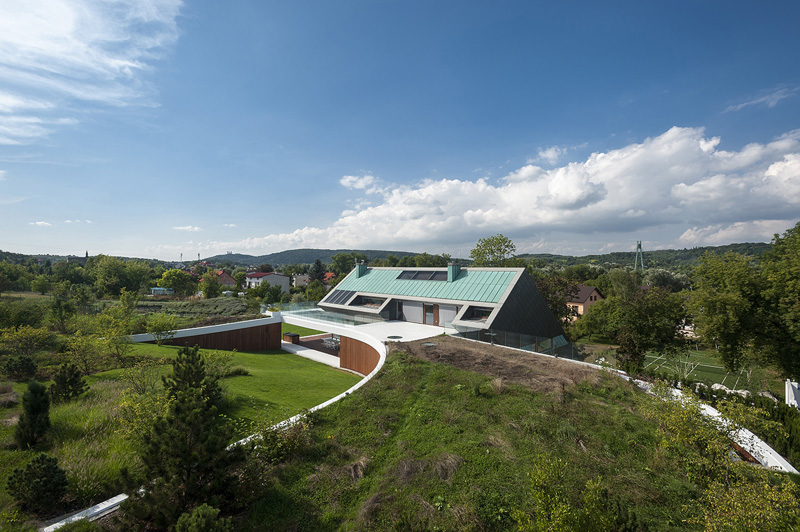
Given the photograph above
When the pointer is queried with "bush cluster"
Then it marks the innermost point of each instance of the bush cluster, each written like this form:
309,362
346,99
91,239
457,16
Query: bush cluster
39,485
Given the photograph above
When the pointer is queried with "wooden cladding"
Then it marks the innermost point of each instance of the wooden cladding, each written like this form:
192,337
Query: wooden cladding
357,356
259,338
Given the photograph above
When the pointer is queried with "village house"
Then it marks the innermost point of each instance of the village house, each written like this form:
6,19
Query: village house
254,279
585,298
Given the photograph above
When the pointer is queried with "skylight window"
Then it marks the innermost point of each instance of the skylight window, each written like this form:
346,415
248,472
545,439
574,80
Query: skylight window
423,275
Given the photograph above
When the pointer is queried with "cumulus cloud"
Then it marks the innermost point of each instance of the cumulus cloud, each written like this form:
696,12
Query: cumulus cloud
56,52
228,225
191,228
680,179
368,183
769,97
720,234
41,224
551,154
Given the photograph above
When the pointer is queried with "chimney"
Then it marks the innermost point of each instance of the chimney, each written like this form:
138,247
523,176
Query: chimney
452,272
361,269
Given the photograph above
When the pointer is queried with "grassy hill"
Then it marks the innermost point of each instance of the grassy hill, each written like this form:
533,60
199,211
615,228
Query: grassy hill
430,445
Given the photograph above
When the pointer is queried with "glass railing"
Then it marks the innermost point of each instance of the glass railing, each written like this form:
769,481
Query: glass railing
558,346
312,312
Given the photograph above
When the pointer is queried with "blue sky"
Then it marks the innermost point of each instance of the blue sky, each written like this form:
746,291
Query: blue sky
155,128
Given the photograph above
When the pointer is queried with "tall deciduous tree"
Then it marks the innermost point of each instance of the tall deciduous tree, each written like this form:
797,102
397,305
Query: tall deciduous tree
649,321
557,290
752,309
179,281
495,251
210,285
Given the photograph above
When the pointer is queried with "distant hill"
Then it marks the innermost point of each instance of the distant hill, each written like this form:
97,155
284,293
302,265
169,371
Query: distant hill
660,258
300,256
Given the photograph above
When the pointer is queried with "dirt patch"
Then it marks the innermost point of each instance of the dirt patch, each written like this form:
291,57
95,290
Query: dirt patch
538,373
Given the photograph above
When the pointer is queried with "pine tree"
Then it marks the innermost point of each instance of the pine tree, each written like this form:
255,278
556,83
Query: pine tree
185,453
39,485
189,371
34,421
67,383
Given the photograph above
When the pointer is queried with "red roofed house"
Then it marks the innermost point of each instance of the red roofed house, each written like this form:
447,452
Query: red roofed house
585,298
254,279
225,279
328,277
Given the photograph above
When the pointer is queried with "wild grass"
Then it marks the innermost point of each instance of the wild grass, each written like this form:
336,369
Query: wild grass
425,446
86,434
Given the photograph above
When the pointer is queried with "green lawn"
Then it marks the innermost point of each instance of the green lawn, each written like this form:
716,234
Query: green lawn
302,331
281,384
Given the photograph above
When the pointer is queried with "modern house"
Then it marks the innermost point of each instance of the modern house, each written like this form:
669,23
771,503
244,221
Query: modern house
254,279
465,299
585,298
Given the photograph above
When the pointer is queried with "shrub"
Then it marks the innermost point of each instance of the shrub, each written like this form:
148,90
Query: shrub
277,444
39,485
144,376
20,368
67,384
162,326
35,418
204,518
8,397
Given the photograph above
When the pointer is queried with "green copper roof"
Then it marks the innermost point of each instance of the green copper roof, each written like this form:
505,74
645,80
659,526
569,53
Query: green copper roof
470,285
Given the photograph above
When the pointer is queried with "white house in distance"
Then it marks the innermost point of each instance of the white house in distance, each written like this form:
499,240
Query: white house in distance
254,279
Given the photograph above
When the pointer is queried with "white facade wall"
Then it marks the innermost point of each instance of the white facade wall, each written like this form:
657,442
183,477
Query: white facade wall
273,279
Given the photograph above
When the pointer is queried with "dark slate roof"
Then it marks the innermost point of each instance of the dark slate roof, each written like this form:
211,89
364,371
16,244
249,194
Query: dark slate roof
584,291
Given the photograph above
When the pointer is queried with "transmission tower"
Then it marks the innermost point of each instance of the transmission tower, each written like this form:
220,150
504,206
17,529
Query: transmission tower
638,261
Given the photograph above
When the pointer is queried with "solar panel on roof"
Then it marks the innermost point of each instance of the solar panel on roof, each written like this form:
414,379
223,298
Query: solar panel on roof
340,297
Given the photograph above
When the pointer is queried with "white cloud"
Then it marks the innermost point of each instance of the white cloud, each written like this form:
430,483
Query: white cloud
56,52
770,97
357,182
551,154
187,228
228,225
41,224
679,179
720,234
